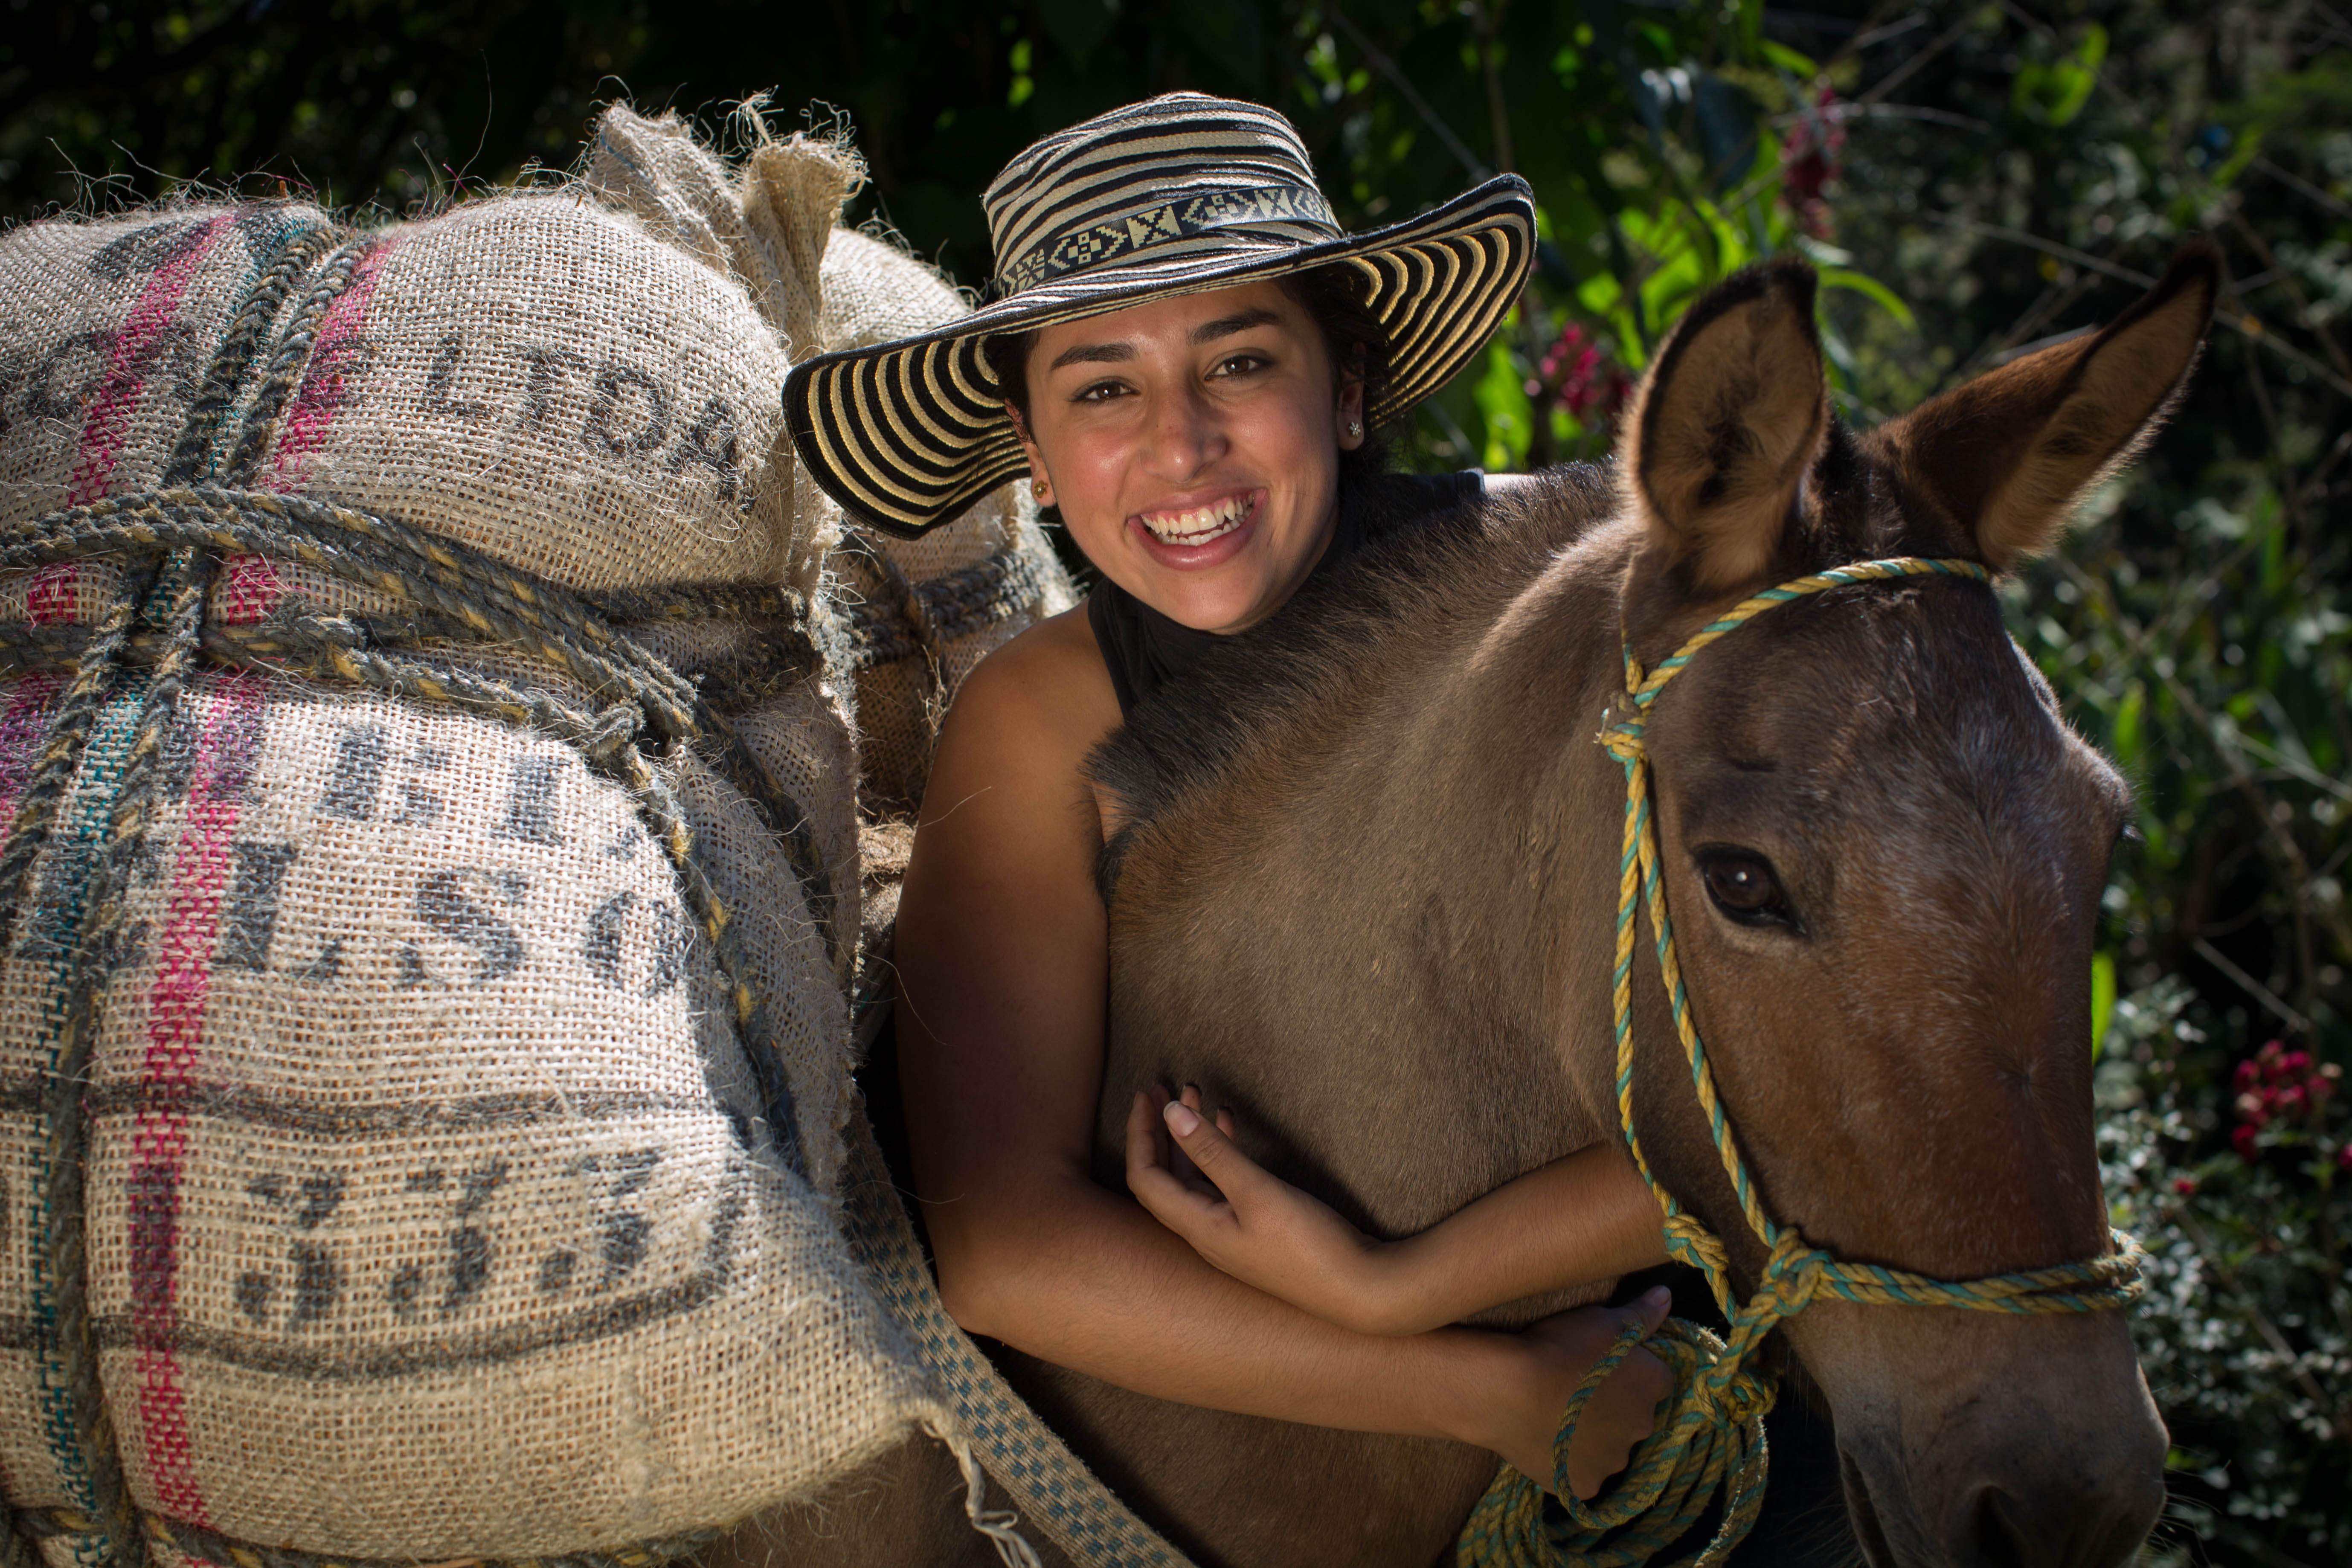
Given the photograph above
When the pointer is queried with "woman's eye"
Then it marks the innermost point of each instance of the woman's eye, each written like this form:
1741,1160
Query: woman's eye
1238,365
1745,888
1100,391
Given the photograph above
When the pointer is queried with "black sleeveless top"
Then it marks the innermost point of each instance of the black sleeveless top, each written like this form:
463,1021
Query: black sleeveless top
1144,650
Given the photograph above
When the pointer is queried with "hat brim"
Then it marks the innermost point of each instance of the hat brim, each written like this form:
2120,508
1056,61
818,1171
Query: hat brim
908,435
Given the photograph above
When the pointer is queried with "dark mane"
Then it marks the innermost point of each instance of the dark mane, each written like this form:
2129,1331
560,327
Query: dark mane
1328,645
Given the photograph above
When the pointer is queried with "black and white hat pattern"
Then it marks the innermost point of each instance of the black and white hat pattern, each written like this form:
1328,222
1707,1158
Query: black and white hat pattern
1177,195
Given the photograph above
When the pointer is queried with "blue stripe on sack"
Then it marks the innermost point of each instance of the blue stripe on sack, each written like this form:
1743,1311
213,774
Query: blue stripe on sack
58,909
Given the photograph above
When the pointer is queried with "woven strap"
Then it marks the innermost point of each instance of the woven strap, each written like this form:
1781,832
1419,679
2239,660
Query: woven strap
1049,1485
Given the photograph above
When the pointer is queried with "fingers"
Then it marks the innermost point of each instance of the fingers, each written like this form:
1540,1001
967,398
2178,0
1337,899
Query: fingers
1651,1307
1157,1187
1211,1147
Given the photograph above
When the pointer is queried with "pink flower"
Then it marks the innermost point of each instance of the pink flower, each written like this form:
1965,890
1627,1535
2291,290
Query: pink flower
2184,1185
1573,375
2242,1140
1809,162
2344,1158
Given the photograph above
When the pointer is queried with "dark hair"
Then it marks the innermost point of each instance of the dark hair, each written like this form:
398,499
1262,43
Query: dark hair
1333,296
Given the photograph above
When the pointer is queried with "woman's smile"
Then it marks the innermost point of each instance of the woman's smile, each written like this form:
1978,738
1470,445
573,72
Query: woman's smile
1197,537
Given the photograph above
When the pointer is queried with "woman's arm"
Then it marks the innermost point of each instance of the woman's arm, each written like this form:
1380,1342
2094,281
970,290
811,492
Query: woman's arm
1002,953
1585,1217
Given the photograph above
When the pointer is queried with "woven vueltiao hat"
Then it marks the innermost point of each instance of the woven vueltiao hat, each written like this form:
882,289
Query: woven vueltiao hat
1175,195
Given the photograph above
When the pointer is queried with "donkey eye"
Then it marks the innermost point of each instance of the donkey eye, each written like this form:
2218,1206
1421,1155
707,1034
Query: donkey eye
1744,887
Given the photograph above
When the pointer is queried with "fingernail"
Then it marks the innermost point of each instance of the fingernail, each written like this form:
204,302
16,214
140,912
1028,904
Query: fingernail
1182,1120
1657,1296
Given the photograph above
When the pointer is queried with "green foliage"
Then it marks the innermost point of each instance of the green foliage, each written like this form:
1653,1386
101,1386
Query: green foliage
1973,180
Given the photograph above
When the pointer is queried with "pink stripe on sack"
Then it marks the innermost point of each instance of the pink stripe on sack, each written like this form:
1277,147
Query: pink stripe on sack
330,382
50,598
25,720
108,421
176,1025
251,592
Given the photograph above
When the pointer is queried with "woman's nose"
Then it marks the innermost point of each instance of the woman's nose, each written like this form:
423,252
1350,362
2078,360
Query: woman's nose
1185,437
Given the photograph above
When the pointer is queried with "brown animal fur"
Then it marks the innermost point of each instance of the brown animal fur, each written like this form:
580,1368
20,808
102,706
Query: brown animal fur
1366,897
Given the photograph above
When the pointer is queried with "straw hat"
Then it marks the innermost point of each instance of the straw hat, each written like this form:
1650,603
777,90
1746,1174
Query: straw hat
1175,195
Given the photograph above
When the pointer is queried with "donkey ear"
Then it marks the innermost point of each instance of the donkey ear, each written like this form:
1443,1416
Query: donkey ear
2008,454
1726,424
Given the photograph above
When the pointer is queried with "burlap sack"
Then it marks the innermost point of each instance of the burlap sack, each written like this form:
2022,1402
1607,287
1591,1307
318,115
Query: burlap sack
422,1014
921,613
918,614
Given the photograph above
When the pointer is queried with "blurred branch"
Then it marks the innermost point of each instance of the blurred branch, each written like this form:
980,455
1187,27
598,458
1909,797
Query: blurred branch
1912,67
2286,764
1486,21
2294,285
2296,183
1861,41
2252,326
2049,248
2259,1320
1857,110
1411,94
2252,986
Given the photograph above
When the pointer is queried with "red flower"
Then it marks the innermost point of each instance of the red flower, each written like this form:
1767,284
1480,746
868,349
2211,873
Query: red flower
2344,1158
2184,1185
2243,1141
1571,373
1809,162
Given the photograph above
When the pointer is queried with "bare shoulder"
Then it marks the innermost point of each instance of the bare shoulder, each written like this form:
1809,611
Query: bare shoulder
1040,703
1020,730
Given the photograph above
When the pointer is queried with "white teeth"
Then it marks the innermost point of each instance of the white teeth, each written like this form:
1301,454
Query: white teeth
1198,525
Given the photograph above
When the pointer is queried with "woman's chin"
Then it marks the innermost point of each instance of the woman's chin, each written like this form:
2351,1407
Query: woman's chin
1217,585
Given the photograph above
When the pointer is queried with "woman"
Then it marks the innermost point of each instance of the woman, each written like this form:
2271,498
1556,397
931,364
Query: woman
1184,354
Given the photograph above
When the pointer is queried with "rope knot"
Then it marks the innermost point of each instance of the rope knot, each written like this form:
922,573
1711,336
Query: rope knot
615,728
336,631
1623,740
1689,1241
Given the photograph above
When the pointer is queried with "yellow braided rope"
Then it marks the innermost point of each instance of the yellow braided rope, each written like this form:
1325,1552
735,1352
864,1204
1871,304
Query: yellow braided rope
1711,1434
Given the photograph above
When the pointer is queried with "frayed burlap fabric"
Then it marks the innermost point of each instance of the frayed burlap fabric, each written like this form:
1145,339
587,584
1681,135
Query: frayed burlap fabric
429,878
923,612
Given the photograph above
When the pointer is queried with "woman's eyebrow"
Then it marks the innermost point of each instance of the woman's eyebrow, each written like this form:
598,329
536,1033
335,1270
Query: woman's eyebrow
1226,326
1093,353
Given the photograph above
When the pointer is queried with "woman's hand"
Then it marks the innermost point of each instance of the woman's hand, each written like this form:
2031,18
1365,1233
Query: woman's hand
1558,1352
1252,1224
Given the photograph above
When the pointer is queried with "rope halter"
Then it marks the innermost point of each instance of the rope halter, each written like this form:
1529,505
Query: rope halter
1711,1431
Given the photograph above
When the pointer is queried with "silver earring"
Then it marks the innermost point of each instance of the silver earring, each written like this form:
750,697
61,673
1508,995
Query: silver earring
1355,428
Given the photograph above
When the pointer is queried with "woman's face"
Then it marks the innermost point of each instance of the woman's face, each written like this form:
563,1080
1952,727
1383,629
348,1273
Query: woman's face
1194,445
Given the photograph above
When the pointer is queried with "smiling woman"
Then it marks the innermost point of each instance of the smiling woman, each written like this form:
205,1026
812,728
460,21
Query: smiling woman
1188,359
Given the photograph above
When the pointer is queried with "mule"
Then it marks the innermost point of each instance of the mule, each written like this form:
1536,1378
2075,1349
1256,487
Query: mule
1364,889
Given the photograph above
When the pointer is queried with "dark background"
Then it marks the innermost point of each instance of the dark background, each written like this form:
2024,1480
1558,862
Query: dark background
1973,179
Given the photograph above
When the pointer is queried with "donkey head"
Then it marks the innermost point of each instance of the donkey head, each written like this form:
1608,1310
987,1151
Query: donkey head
1884,852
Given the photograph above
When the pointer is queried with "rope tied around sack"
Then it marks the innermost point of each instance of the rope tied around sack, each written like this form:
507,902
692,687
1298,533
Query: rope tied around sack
1711,1438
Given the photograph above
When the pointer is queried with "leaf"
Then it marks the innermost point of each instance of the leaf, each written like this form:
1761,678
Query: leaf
1871,288
2052,92
2103,999
1502,397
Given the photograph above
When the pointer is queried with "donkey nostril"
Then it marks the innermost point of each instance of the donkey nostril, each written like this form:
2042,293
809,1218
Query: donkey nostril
1996,1535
